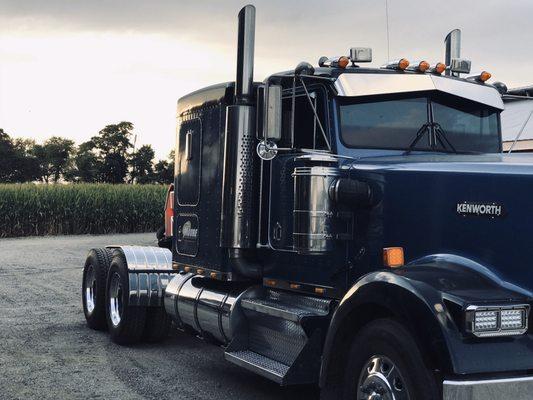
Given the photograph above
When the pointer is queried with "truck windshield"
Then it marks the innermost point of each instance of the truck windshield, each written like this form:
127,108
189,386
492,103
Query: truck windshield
393,123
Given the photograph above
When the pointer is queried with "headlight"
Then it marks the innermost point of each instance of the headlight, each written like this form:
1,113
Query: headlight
497,321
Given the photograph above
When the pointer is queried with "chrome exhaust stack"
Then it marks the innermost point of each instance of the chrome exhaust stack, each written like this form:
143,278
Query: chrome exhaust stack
245,55
238,227
455,65
453,48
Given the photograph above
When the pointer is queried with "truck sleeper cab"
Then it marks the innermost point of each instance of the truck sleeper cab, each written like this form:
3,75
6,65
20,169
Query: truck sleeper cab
343,226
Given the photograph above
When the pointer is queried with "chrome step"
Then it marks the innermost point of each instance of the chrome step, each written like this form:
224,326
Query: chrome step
282,335
261,365
287,306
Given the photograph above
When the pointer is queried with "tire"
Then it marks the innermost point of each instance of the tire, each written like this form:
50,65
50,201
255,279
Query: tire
125,322
385,346
93,287
157,325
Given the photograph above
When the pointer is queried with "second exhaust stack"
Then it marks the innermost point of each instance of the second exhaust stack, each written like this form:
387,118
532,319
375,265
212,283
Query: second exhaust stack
453,48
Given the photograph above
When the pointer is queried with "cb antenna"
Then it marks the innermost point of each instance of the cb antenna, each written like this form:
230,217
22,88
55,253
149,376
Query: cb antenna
388,37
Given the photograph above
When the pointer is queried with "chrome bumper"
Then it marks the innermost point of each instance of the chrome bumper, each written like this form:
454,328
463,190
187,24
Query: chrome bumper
496,389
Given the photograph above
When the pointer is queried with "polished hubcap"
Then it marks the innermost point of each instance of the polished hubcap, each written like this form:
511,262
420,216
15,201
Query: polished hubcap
90,289
381,379
115,299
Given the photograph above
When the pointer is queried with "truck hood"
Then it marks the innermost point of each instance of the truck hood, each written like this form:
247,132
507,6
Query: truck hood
479,207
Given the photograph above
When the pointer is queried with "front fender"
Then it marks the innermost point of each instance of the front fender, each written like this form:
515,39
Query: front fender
429,296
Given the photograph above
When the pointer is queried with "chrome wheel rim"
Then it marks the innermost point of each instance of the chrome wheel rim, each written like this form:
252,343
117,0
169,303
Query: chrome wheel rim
115,299
381,379
90,289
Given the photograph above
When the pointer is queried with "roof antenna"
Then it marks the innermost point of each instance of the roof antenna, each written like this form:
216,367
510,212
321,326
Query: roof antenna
388,37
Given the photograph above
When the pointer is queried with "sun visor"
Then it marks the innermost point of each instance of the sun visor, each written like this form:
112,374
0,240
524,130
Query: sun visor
355,85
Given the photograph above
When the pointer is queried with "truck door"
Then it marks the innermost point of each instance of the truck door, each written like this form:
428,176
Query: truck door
306,135
188,182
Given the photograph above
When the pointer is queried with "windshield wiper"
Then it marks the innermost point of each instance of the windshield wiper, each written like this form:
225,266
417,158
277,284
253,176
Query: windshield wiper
440,136
419,135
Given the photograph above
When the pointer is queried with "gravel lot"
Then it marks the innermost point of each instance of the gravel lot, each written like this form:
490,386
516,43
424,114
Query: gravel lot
47,352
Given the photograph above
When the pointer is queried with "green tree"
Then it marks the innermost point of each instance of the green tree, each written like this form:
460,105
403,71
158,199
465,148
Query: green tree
7,157
27,166
85,166
164,170
16,161
142,165
53,157
112,144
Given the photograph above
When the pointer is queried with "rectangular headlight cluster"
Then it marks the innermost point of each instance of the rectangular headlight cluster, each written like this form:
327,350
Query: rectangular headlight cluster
497,321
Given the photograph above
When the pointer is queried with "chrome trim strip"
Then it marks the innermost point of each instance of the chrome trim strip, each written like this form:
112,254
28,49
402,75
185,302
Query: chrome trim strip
518,388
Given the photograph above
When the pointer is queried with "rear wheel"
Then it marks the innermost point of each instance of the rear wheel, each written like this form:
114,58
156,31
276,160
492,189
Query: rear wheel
125,322
386,364
94,287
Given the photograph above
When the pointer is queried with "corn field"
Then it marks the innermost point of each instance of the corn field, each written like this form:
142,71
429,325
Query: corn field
33,210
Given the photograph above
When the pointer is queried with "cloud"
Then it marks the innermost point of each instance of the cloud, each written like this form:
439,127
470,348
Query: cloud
76,65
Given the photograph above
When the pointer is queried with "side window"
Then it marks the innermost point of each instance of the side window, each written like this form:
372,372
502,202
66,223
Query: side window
307,132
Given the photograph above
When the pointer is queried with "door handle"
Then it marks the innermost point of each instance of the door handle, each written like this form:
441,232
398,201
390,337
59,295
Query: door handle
188,145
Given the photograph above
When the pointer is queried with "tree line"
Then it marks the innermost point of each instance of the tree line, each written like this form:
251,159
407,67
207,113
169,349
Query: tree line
108,157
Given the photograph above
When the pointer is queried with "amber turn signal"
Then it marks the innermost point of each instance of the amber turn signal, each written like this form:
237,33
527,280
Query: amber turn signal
393,257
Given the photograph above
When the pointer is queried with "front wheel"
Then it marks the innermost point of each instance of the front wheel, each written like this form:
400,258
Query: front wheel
386,364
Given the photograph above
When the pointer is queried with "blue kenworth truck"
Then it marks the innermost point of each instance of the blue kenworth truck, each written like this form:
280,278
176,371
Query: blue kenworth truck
354,228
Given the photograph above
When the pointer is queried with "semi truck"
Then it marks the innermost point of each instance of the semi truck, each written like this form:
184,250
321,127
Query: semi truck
349,227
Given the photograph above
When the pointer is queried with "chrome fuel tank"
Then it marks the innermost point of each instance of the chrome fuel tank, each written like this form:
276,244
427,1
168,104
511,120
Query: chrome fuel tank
207,310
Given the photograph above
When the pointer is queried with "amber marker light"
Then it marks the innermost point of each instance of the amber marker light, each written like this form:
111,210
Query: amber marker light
423,66
343,62
403,64
319,290
439,68
484,76
393,257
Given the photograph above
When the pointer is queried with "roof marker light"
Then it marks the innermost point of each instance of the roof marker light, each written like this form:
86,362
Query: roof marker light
421,66
484,76
340,62
439,68
401,64
343,62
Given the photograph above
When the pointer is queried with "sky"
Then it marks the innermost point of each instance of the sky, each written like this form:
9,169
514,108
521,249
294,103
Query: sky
70,67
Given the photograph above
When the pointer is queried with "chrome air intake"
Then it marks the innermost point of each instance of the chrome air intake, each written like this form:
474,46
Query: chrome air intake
314,216
210,311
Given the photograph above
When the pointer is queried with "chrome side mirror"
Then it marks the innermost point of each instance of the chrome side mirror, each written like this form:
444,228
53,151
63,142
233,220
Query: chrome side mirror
267,149
272,113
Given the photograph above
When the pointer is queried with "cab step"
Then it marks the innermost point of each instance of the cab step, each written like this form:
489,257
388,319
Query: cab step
264,366
282,336
276,308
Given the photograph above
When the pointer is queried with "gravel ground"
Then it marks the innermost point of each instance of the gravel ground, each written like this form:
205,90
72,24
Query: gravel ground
47,352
